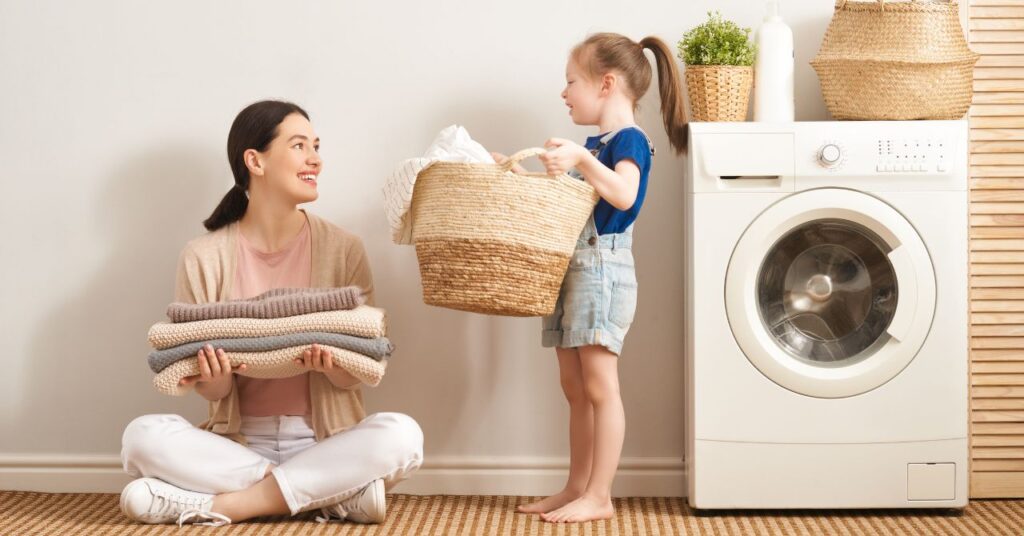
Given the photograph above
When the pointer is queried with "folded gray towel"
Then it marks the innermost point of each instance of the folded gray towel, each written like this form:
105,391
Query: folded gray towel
275,303
376,349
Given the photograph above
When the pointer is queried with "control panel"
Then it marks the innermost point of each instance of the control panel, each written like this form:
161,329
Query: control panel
912,155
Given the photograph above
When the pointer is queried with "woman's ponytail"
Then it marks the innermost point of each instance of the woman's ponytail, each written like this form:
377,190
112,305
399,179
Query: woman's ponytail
231,209
673,109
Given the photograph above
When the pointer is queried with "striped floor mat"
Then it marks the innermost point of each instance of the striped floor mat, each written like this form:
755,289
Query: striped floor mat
24,513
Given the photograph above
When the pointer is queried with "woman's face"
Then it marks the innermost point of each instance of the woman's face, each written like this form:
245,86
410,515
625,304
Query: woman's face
291,163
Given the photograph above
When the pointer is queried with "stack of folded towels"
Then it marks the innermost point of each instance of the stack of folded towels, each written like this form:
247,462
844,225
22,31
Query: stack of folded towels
268,332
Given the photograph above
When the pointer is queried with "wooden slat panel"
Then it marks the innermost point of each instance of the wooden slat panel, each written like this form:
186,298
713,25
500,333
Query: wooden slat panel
997,36
996,184
999,330
997,208
1000,428
997,244
976,3
998,342
997,485
1000,86
997,171
1001,354
1010,440
997,281
998,196
1001,12
1001,134
997,256
997,232
998,97
995,24
1005,60
999,310
999,379
1000,159
998,403
998,146
1001,367
995,220
1008,49
998,453
997,465
1000,391
997,416
998,122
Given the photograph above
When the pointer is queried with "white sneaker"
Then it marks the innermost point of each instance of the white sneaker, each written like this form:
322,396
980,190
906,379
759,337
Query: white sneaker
367,506
151,500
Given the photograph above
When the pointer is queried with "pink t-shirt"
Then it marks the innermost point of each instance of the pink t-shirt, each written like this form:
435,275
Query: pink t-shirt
256,273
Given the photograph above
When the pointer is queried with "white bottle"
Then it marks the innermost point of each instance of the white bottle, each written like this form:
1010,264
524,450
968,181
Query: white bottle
773,68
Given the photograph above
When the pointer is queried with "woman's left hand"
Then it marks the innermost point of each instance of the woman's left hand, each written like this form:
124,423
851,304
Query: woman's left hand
562,155
320,360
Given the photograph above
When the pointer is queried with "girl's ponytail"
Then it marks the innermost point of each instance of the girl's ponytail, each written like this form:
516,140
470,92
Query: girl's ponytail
673,109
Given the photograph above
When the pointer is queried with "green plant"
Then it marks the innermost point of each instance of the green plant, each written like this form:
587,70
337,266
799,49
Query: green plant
717,42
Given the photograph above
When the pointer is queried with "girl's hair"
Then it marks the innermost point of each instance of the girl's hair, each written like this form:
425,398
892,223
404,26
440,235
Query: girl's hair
606,52
254,128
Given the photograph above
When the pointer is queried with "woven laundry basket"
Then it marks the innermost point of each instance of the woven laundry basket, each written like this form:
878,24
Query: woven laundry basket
493,241
884,60
719,92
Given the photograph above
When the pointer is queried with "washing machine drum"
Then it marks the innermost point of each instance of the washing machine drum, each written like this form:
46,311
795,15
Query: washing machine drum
830,293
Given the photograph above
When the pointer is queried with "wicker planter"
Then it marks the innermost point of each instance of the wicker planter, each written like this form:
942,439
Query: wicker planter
895,60
492,241
719,92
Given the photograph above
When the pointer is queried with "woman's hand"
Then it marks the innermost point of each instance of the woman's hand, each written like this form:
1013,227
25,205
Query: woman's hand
562,155
214,380
501,159
320,360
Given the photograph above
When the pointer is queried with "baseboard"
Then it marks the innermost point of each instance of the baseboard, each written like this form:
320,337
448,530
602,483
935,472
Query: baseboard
449,475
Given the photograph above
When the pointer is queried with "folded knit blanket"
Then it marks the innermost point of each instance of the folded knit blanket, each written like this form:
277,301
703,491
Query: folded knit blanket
274,364
275,303
377,349
363,321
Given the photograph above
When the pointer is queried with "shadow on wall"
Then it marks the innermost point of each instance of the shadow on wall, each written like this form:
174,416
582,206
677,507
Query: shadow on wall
151,205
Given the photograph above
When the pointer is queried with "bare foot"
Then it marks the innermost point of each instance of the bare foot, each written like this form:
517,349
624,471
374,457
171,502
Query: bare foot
583,509
553,502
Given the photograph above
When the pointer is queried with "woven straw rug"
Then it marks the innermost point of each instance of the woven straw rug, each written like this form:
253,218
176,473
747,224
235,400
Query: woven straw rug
24,513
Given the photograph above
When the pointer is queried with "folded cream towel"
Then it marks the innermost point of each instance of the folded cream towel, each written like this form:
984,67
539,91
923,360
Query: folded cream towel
363,321
274,364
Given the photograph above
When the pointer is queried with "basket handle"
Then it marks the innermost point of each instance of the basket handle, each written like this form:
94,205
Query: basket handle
840,4
523,155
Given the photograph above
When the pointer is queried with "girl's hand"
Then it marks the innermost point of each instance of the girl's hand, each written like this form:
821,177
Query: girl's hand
214,368
562,155
320,360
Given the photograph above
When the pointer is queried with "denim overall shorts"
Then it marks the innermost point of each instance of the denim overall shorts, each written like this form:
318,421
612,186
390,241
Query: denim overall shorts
598,296
597,300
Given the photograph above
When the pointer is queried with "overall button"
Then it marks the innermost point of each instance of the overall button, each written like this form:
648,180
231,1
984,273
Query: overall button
592,240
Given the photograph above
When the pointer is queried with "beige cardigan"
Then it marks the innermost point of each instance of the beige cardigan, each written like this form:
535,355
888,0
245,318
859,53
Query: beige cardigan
206,270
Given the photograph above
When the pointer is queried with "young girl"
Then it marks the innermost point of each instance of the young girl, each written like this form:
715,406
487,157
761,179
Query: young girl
270,446
605,77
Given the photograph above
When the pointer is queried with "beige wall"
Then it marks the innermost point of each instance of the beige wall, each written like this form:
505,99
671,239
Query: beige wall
114,118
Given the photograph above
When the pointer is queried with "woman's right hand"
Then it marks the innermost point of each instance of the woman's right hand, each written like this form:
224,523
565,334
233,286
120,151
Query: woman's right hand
214,369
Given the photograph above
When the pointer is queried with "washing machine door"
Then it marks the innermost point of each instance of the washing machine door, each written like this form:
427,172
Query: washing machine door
830,293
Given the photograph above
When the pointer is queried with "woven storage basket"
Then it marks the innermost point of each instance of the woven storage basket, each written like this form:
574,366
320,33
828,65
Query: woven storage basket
895,60
719,92
493,241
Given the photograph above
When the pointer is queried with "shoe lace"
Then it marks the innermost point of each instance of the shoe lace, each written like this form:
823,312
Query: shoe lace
213,519
171,502
330,513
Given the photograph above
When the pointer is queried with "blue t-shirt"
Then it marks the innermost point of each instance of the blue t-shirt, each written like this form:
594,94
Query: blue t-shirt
629,143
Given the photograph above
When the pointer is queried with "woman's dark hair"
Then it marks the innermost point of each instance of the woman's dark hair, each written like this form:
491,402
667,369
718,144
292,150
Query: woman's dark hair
254,128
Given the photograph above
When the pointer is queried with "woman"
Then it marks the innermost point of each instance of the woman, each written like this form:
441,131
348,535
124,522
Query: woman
270,446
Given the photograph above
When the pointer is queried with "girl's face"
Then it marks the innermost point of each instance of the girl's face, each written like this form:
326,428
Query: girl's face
291,164
582,95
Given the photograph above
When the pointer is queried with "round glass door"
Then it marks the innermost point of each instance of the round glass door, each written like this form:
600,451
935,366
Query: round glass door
827,292
830,293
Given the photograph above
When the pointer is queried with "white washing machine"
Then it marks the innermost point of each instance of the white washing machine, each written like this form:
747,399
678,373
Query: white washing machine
827,315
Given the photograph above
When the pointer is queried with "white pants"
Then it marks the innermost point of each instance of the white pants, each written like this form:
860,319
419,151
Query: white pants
310,474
